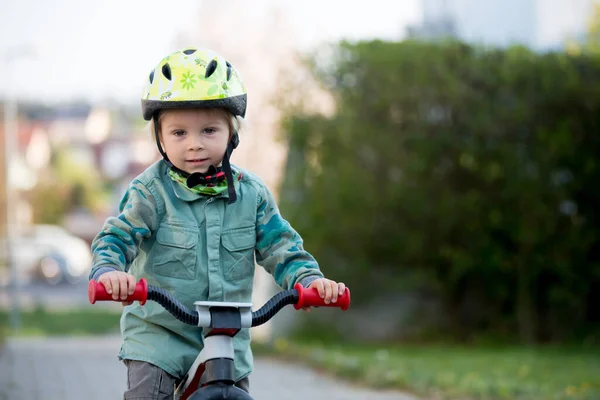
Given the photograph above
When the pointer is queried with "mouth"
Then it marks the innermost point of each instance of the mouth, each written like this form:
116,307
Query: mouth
197,160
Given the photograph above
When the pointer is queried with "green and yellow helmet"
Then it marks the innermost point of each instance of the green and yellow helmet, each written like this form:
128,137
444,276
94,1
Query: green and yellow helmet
193,78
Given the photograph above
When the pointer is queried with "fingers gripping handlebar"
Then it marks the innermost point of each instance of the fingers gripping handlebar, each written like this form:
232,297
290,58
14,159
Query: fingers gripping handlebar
97,292
299,296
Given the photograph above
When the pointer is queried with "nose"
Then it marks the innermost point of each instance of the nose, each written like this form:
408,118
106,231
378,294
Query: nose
195,142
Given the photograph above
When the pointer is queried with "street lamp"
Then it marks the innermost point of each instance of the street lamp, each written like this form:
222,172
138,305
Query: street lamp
10,149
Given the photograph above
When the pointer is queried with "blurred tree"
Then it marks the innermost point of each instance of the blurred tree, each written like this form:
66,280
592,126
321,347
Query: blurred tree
464,173
67,185
591,42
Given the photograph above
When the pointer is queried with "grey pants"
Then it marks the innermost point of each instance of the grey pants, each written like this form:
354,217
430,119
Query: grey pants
146,381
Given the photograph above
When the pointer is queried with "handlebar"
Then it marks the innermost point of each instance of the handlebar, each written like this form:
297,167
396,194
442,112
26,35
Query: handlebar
299,296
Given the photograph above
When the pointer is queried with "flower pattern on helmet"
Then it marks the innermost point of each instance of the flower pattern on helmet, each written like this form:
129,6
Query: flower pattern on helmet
190,76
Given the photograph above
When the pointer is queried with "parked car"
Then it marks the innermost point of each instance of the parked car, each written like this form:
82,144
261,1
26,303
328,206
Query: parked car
50,254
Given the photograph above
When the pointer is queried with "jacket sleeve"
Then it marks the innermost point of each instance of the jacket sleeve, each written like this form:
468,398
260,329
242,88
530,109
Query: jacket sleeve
117,244
279,247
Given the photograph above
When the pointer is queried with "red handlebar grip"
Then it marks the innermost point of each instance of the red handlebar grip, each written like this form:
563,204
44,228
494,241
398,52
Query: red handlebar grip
97,292
309,297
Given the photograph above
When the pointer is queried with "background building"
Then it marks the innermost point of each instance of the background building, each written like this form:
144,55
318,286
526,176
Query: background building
539,24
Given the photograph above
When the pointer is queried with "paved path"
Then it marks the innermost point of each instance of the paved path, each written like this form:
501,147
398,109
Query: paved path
87,368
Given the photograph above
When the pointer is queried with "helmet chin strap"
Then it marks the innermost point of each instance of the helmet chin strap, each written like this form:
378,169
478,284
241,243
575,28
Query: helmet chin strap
233,143
213,175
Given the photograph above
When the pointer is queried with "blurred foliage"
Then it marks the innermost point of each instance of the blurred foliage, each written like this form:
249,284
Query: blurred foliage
464,174
591,44
454,372
67,185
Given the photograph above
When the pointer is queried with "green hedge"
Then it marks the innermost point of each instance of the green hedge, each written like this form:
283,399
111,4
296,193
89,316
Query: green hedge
469,175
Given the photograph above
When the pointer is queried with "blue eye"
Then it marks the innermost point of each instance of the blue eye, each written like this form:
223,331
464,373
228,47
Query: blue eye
209,131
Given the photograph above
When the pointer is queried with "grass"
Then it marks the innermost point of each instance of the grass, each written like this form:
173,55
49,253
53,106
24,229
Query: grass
453,372
74,322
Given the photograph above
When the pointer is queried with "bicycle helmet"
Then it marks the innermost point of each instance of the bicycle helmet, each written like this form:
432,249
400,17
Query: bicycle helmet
196,78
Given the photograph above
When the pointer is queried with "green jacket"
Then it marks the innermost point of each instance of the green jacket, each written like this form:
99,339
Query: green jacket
197,248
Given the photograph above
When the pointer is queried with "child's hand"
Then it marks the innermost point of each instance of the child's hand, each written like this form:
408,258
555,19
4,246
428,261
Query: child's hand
119,284
328,290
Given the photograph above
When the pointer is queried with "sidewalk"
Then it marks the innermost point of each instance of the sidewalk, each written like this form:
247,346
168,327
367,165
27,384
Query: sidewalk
87,368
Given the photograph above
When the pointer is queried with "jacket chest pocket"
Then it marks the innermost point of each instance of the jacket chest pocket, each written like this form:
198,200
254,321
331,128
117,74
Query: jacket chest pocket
174,252
238,252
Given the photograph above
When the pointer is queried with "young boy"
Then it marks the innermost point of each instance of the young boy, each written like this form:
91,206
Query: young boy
193,224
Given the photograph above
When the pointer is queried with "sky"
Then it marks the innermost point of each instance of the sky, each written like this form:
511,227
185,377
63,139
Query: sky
64,50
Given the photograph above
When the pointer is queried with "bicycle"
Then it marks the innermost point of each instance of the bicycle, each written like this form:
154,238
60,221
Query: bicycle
211,376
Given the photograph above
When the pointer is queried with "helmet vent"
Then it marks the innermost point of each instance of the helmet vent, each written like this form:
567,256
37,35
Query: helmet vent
228,70
166,71
151,77
189,51
211,68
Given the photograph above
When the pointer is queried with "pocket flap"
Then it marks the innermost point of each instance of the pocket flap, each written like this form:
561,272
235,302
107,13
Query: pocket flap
177,236
239,239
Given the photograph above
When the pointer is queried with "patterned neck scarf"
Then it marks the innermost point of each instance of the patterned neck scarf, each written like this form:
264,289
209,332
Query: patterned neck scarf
210,189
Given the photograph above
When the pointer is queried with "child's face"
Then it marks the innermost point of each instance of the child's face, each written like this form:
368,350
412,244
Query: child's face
194,139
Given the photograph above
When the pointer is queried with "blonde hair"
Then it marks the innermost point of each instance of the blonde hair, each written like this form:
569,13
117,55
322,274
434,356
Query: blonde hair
234,122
